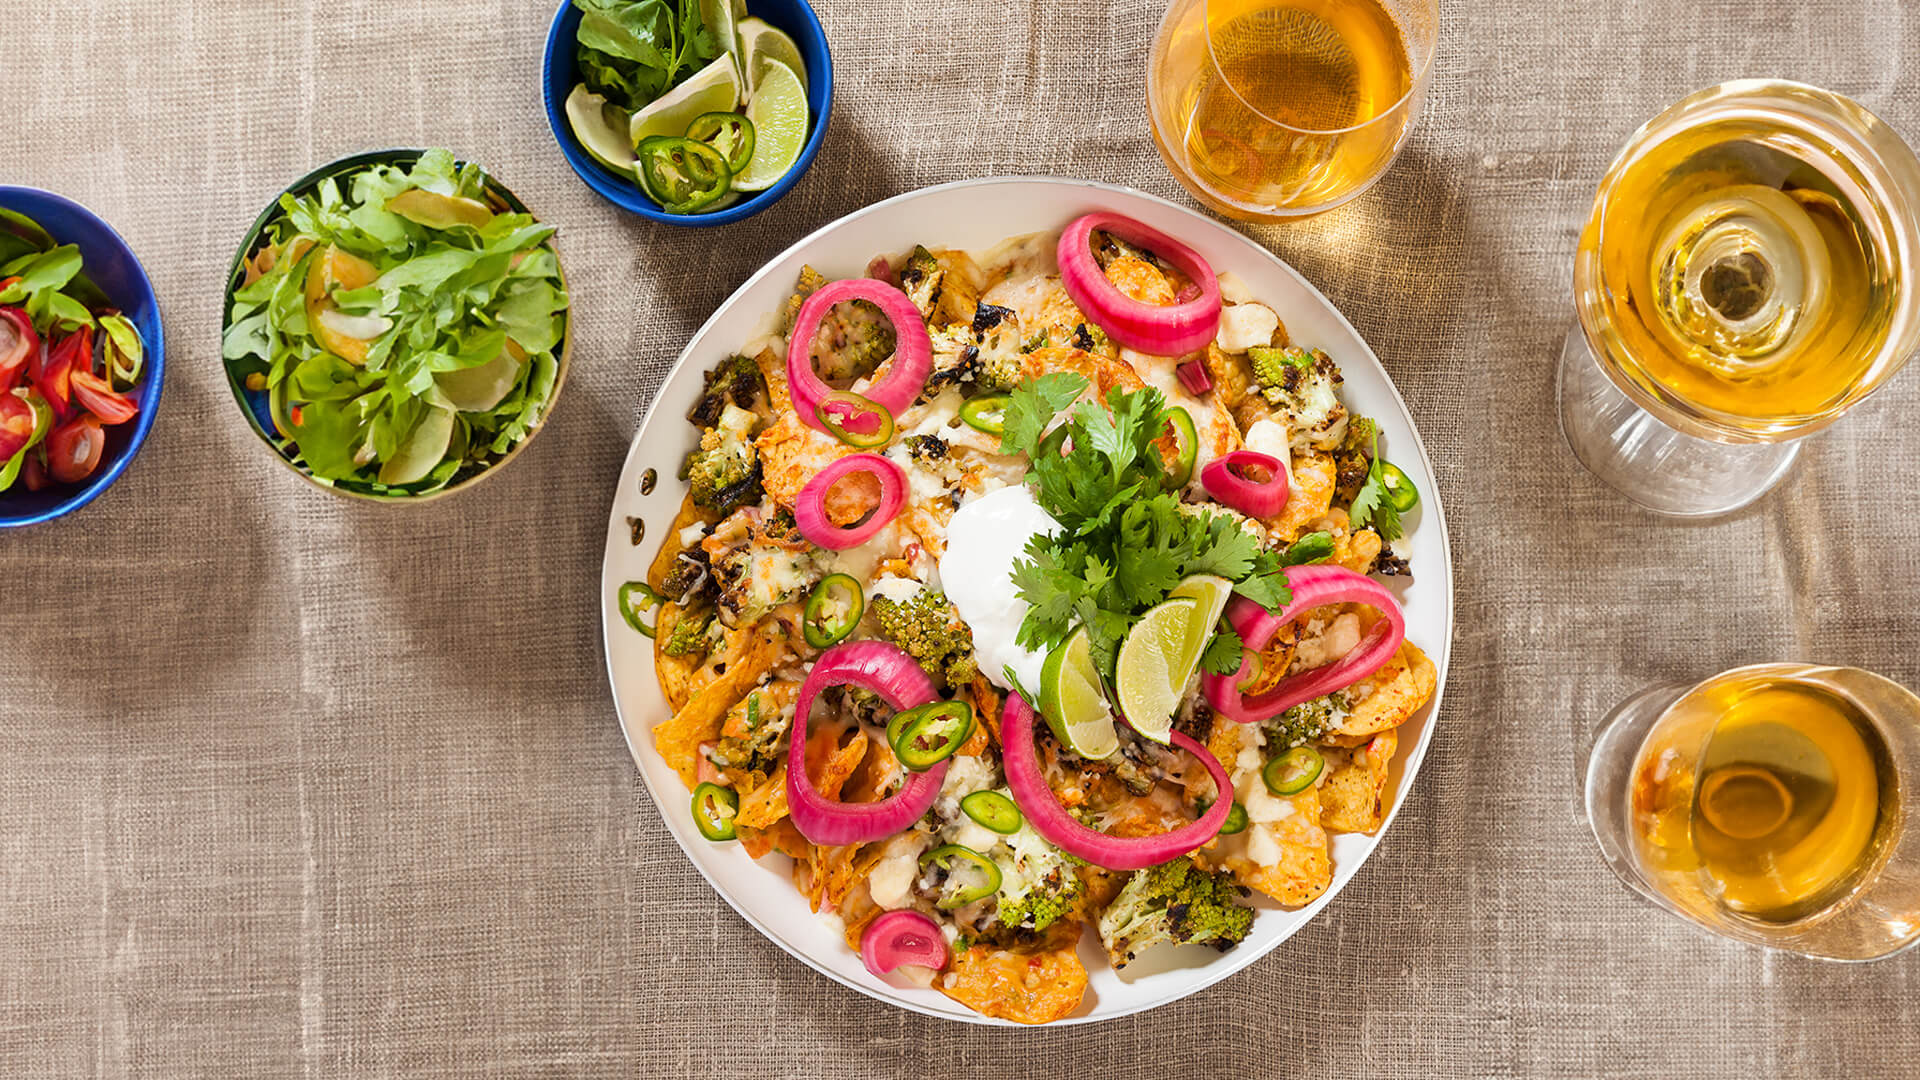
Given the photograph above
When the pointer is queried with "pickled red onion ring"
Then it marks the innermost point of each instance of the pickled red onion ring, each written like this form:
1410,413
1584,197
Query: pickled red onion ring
1313,586
898,679
906,374
1226,483
1160,330
1193,375
809,507
902,937
1051,820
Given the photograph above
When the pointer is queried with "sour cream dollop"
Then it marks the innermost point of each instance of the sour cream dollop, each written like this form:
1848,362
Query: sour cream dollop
984,539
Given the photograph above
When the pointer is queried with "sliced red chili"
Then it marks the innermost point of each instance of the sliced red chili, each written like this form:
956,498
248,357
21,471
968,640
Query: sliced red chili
18,342
92,393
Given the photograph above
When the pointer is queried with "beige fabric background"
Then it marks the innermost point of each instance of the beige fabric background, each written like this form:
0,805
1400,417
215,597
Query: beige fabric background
296,787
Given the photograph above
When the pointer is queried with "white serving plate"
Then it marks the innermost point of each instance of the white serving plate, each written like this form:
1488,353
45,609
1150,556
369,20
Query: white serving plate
974,215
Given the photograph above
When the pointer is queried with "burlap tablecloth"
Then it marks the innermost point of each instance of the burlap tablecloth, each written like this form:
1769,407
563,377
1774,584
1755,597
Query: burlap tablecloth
292,786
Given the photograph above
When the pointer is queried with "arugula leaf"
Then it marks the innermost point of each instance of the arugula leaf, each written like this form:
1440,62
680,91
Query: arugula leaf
1033,405
1371,507
1224,652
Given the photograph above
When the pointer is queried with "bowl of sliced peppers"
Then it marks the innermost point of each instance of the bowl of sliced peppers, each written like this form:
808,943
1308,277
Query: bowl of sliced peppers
80,356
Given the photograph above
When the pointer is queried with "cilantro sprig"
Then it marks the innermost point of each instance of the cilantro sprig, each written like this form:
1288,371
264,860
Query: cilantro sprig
1371,506
1126,539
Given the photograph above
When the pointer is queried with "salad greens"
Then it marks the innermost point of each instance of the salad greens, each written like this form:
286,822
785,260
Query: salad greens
407,331
632,51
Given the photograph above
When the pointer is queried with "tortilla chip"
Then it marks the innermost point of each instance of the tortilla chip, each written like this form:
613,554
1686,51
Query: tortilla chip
1103,372
833,873
766,804
1305,866
670,545
1314,479
702,717
773,372
782,837
1027,989
1390,696
857,912
791,453
1352,798
674,672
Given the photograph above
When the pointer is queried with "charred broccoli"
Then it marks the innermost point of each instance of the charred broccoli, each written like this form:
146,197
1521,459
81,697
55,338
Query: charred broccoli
809,283
956,356
734,380
920,279
1002,365
1301,383
692,635
1175,903
689,576
925,448
724,474
1305,722
930,630
1040,885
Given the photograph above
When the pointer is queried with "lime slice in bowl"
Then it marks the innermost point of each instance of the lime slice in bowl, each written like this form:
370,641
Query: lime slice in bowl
1072,701
779,114
1156,660
714,88
761,40
718,15
601,127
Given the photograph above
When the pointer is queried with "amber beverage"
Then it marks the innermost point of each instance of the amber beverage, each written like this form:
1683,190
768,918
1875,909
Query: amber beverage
1270,109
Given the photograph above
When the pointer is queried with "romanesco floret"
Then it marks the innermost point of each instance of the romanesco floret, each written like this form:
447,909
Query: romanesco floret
734,380
1175,903
1305,722
920,279
1040,883
1302,384
692,635
930,630
724,474
1001,369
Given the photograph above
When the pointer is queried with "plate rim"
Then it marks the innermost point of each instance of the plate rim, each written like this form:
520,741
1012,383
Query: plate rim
1407,767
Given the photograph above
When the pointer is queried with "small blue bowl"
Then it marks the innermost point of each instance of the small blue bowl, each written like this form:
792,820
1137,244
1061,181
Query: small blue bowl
109,263
560,75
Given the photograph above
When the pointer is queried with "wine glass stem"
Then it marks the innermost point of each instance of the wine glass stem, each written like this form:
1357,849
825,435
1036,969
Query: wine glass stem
1664,470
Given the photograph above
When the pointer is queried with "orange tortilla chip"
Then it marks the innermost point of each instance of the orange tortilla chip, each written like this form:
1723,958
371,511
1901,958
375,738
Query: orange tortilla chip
1027,989
1304,868
701,718
1353,797
781,837
765,805
1390,696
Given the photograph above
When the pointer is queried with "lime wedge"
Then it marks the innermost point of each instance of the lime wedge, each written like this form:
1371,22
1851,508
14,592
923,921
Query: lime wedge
718,15
1156,661
1071,699
714,88
1213,593
601,127
779,114
761,40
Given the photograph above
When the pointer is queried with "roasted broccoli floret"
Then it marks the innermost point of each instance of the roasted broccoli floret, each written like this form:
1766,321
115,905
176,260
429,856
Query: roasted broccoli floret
1305,722
688,577
1002,365
956,356
1354,458
930,630
759,742
809,282
692,635
1175,903
1302,384
735,381
724,474
1040,884
920,279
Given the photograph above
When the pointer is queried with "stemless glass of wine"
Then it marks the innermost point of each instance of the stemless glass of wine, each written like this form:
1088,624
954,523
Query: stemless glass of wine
1274,109
1768,804
1745,279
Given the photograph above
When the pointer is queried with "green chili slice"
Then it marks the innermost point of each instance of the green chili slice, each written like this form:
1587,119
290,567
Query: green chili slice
1236,819
925,736
684,174
1180,425
946,856
631,610
855,420
992,810
1401,493
728,132
714,811
830,617
1294,771
987,413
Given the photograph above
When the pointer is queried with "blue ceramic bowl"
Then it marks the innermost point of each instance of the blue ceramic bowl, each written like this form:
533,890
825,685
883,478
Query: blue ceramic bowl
560,75
110,263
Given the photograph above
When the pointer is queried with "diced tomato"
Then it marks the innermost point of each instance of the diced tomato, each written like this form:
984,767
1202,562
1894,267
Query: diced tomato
17,343
92,393
33,474
16,425
74,447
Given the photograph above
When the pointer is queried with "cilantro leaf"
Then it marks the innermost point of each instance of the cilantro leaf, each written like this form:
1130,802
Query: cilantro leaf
1315,547
1053,582
1033,405
1226,549
1224,653
1371,507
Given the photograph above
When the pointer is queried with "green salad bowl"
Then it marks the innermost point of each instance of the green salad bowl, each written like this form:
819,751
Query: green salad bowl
247,374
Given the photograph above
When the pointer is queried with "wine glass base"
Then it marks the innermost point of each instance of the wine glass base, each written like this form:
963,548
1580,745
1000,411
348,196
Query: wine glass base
1664,470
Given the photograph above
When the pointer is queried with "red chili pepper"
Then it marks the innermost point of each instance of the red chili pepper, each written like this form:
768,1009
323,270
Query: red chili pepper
16,425
55,377
18,342
92,393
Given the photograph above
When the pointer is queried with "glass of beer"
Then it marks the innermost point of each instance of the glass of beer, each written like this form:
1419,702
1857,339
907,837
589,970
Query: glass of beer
1275,109
1742,283
1767,804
